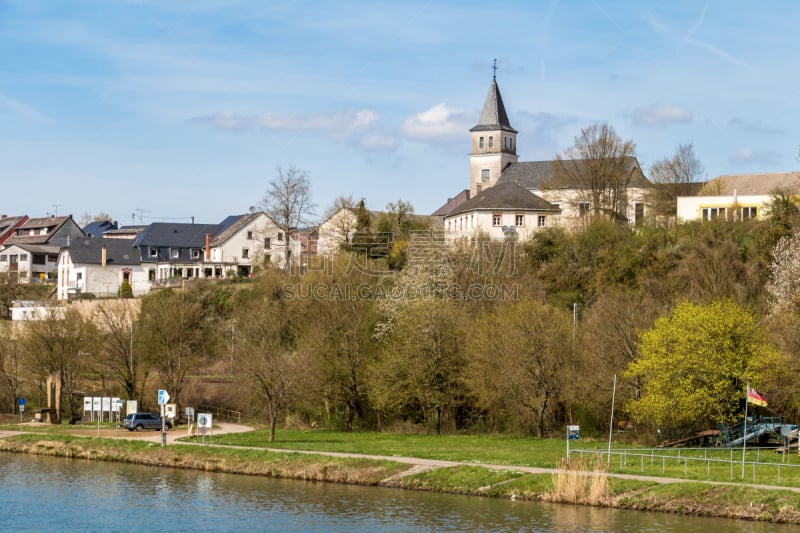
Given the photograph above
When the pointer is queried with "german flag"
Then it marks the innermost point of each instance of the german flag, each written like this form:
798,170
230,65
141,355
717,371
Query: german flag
755,397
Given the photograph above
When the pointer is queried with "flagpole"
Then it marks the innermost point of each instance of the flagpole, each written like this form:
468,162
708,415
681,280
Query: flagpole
744,433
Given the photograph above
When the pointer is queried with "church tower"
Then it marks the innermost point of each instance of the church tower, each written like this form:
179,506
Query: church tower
494,142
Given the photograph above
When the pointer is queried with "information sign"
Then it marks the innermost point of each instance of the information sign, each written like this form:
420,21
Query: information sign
163,397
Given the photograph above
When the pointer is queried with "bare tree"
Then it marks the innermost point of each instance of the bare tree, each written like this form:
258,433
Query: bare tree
288,202
674,176
600,166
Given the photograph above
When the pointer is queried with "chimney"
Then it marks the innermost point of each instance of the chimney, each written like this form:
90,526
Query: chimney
208,247
103,256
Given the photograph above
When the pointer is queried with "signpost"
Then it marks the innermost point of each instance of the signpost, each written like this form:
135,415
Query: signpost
21,410
573,433
163,398
204,423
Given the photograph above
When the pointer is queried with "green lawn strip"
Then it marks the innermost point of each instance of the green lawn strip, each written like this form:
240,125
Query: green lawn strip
236,461
488,449
457,479
716,500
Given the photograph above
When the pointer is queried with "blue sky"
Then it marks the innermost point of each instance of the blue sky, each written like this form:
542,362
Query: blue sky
172,109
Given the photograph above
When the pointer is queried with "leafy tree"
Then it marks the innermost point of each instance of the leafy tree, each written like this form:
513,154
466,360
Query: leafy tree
694,363
672,177
63,347
10,289
521,363
600,166
125,365
10,365
171,333
269,360
288,202
421,367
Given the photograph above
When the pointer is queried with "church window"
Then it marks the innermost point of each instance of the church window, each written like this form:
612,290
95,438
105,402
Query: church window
485,174
491,142
519,220
497,219
542,221
480,142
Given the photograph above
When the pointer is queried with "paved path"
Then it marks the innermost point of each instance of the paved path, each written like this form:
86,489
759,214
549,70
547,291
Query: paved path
416,462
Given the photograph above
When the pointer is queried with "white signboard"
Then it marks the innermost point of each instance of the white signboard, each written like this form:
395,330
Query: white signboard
106,405
87,405
204,420
96,404
132,407
116,404
170,409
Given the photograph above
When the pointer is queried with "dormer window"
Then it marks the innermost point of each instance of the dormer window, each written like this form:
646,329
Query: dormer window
153,252
174,253
195,253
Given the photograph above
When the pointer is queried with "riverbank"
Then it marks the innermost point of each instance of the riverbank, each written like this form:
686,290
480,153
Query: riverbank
560,485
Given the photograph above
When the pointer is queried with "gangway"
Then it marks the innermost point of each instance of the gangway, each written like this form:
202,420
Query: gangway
734,436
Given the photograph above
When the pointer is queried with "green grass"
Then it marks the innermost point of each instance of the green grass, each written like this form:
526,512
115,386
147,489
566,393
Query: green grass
457,479
478,449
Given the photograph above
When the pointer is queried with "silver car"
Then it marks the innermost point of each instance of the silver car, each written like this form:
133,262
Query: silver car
140,421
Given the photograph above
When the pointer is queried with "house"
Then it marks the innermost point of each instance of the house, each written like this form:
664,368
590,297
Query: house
336,230
244,242
32,251
174,251
99,266
504,211
737,196
9,225
99,227
561,198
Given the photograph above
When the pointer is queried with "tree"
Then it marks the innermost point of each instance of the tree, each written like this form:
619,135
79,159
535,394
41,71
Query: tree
522,361
288,202
784,280
600,166
272,366
171,334
10,365
62,347
10,289
126,365
694,364
672,177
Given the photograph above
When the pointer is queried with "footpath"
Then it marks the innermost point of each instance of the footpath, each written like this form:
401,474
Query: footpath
416,464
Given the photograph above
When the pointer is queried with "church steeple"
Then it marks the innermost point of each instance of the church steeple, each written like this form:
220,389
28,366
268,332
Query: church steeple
494,141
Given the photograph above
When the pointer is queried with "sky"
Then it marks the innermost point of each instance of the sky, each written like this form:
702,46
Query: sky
186,110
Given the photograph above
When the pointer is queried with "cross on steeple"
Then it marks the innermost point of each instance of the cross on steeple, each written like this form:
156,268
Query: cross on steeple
494,68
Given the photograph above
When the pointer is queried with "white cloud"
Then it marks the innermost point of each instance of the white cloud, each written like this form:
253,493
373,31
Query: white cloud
748,156
22,109
339,124
439,122
660,115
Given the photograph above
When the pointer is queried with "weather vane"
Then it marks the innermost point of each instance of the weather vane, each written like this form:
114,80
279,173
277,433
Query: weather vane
494,68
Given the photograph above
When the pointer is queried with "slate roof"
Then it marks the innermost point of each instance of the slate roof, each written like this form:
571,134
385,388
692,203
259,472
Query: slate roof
53,224
7,225
452,204
754,184
493,115
119,252
232,225
98,227
505,196
535,174
176,235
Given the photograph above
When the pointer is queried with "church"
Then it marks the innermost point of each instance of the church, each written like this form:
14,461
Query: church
512,199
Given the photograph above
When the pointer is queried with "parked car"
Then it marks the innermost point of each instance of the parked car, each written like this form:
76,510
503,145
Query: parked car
140,421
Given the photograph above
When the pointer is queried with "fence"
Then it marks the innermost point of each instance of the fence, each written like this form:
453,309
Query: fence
698,463
221,414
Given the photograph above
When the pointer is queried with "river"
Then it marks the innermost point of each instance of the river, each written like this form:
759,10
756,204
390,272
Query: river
51,494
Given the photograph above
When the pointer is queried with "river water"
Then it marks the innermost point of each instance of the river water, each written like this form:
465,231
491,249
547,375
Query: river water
49,494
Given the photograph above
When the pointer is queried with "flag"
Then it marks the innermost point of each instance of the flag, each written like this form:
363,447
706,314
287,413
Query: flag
755,398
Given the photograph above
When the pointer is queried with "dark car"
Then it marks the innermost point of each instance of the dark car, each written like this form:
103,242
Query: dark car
140,421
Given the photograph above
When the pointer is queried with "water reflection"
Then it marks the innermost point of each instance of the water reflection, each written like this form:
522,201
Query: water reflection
44,493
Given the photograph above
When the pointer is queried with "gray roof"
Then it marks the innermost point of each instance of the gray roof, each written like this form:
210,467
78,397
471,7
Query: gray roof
231,225
535,174
505,196
176,235
493,116
764,183
88,251
452,204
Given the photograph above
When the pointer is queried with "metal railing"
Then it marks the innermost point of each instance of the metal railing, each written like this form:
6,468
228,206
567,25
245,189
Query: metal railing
221,414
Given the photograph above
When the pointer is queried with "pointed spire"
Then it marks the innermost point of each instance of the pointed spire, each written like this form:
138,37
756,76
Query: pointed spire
493,116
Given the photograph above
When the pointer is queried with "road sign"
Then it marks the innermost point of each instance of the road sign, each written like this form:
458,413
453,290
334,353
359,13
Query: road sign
163,397
204,420
22,401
